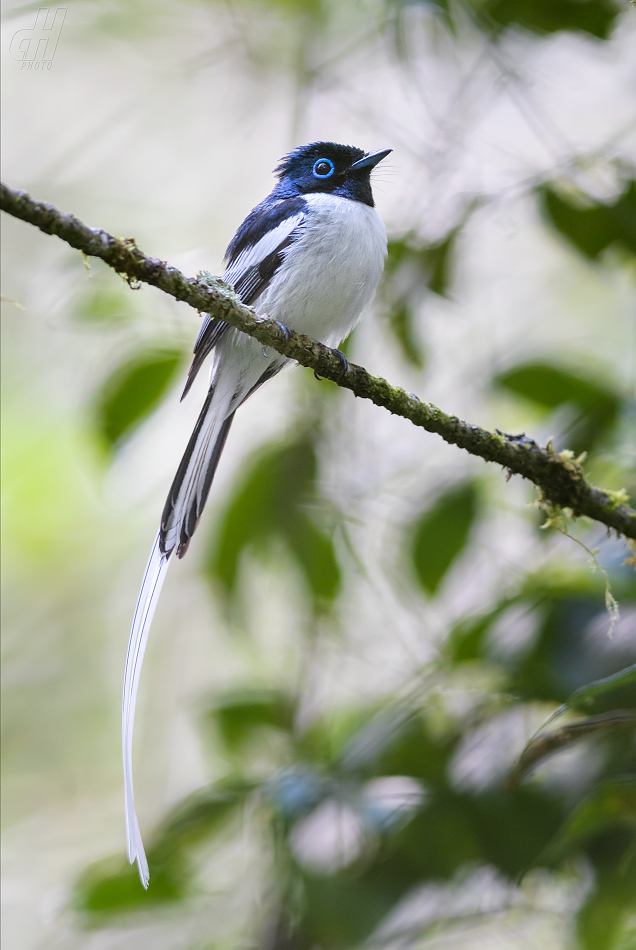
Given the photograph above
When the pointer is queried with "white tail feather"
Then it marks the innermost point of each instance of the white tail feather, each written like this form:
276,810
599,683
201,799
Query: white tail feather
200,455
144,612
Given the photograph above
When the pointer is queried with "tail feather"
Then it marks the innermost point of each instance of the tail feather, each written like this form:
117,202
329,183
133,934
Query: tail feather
189,492
146,605
184,505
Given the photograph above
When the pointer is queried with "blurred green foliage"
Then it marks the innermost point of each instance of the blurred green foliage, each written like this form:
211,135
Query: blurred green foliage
448,828
238,714
613,692
336,760
132,392
535,650
596,407
411,269
103,304
442,533
595,226
113,886
596,17
272,503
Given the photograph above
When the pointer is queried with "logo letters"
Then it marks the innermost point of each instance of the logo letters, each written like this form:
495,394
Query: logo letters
37,46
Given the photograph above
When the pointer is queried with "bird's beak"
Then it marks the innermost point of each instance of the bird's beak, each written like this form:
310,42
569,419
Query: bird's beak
371,160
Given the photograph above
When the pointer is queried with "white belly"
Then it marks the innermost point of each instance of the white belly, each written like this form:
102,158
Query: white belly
331,272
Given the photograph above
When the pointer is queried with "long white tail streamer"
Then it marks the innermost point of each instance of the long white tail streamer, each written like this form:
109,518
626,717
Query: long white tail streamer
144,611
190,492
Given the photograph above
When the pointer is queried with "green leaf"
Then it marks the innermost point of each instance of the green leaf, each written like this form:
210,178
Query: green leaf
613,692
269,504
441,838
112,886
550,386
508,830
549,16
611,806
468,638
102,304
516,827
566,603
441,534
603,923
242,712
340,911
597,406
439,259
394,743
278,480
316,554
595,17
592,229
412,267
197,818
424,265
132,392
402,324
326,741
557,662
304,8
604,827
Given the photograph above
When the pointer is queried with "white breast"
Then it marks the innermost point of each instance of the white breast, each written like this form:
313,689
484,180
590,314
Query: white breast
331,272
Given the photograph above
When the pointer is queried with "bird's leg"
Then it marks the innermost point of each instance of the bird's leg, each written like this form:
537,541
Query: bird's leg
284,330
344,362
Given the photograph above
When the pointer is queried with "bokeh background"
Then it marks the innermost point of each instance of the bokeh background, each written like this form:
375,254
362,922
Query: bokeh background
370,624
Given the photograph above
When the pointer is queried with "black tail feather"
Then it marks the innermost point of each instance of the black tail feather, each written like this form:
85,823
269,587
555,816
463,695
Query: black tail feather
196,509
194,514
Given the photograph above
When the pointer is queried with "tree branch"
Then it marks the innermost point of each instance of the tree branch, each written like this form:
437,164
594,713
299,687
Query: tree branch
537,749
559,477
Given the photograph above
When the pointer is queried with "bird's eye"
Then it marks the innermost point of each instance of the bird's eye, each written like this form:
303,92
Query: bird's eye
323,168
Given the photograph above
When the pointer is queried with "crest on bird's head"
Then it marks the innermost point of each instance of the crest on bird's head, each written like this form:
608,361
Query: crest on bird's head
302,159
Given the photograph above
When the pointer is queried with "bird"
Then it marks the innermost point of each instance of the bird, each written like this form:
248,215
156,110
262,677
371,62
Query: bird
309,256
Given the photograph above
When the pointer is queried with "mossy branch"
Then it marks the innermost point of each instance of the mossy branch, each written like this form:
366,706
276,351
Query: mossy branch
558,475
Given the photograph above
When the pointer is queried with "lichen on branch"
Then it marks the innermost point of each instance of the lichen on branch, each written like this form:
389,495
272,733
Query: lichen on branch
559,477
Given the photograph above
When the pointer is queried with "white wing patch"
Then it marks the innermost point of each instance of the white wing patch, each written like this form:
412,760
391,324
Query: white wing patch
253,255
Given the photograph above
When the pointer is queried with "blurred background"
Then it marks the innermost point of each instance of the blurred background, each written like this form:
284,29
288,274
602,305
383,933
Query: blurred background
370,624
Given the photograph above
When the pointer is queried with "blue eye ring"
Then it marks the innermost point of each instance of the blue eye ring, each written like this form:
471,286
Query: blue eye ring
323,161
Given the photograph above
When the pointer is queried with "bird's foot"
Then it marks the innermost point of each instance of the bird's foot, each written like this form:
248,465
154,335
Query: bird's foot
284,330
344,362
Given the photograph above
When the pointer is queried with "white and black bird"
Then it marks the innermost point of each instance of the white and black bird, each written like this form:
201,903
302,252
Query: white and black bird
310,256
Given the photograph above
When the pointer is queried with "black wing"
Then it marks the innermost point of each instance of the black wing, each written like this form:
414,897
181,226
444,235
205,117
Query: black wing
255,254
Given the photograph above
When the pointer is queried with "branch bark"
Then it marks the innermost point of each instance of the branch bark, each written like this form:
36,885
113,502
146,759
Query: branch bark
537,749
559,477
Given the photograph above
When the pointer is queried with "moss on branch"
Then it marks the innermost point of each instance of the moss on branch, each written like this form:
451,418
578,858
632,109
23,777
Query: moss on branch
560,477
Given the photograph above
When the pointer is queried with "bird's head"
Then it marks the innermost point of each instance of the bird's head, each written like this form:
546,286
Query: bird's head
328,168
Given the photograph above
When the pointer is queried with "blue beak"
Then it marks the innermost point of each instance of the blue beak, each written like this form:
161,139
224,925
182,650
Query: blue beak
371,160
